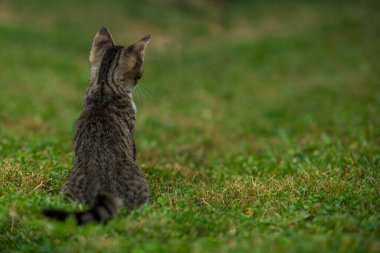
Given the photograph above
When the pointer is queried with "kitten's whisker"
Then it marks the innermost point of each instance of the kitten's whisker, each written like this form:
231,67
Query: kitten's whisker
134,93
143,98
137,93
141,94
147,92
149,58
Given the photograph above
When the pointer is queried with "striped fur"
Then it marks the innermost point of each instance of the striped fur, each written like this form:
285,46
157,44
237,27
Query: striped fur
105,172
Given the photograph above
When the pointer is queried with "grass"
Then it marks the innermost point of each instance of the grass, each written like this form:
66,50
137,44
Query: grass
258,125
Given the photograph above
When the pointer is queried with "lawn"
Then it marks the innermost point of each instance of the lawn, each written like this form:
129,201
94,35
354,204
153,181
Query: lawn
258,124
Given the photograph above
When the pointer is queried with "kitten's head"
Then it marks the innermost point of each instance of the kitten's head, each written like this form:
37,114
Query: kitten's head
121,65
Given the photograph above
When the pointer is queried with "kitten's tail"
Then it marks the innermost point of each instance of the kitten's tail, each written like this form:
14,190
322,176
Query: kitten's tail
106,206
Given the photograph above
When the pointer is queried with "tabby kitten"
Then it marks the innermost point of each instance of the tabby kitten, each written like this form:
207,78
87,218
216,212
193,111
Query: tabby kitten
105,175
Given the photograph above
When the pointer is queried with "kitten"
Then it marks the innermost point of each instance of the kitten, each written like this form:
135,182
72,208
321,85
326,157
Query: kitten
105,175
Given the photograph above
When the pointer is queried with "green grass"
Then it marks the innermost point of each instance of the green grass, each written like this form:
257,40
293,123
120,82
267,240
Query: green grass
258,125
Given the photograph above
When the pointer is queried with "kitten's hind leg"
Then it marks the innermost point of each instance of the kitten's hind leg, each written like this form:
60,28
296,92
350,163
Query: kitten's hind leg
80,189
132,186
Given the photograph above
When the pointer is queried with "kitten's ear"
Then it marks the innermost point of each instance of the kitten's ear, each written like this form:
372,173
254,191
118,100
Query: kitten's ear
102,40
140,46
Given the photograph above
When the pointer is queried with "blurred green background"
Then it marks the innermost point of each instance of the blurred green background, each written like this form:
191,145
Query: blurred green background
258,124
